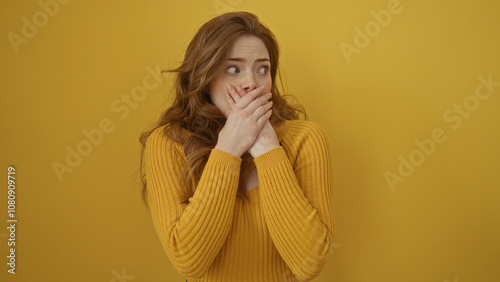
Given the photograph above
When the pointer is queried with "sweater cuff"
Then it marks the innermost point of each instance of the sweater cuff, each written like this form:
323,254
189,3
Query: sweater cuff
225,159
271,157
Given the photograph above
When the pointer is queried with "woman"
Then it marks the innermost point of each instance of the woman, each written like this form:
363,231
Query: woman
238,187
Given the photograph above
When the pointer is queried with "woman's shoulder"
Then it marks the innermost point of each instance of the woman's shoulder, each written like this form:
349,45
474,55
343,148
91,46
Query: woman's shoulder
303,137
299,133
159,143
159,134
298,127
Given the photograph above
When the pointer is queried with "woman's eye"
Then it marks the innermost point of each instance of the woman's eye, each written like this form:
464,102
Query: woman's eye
264,69
232,70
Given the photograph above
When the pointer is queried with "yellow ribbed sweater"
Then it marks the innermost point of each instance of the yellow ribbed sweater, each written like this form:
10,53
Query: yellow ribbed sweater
283,233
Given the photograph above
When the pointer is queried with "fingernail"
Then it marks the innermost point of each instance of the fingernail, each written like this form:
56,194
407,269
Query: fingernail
228,87
238,88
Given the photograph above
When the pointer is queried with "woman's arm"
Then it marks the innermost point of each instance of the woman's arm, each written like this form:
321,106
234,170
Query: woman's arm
298,200
192,234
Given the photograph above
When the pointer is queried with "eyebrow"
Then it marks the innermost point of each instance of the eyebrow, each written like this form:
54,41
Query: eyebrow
242,60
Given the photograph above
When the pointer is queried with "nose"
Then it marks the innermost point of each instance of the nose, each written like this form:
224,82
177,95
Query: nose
249,83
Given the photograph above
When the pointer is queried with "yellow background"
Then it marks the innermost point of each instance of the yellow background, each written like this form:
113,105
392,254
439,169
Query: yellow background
442,223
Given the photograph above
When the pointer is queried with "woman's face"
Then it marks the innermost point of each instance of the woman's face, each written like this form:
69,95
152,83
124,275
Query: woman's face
248,67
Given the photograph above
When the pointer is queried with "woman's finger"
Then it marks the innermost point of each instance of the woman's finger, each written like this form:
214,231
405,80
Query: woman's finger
240,91
232,92
264,118
230,100
247,98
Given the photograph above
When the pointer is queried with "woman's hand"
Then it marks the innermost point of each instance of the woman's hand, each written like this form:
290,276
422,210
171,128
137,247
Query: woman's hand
266,139
247,116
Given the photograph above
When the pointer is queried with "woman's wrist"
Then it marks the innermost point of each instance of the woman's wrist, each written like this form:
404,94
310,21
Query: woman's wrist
228,150
256,151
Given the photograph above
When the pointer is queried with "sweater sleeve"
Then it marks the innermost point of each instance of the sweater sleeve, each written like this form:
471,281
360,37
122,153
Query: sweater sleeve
193,233
297,202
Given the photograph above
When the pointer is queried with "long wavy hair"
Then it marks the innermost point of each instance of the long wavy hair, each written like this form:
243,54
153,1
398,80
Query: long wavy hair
194,121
